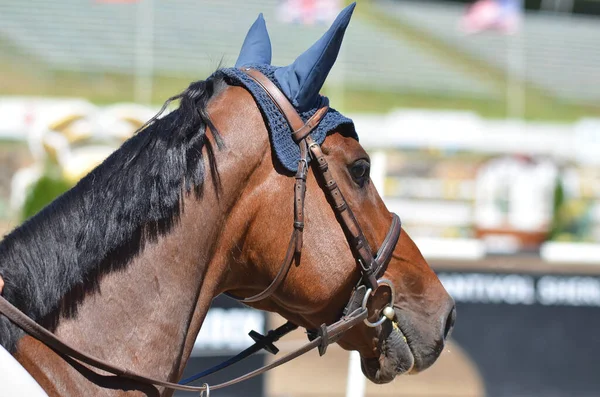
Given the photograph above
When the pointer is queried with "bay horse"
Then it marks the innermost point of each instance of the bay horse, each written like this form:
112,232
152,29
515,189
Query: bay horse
198,203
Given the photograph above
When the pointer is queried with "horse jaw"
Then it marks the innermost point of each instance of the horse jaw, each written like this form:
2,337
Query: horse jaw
395,356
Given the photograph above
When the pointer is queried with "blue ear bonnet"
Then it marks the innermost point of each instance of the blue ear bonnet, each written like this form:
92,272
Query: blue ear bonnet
286,150
300,81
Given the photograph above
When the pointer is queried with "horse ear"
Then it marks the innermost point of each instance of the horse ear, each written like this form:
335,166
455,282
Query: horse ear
257,45
303,79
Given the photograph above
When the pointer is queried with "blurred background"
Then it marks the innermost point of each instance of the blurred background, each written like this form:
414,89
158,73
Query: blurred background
482,119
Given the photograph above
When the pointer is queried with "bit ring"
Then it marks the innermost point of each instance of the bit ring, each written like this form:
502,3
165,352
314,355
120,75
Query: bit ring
391,305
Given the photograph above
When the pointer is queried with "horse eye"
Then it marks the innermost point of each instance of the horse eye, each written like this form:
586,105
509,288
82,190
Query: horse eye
360,171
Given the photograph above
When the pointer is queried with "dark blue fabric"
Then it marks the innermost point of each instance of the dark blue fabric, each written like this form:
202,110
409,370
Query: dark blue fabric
257,45
280,132
302,80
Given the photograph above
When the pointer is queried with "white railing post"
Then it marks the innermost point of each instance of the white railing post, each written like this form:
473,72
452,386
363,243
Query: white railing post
378,170
356,382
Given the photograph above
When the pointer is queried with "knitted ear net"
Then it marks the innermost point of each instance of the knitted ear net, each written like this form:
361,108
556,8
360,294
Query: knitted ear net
300,81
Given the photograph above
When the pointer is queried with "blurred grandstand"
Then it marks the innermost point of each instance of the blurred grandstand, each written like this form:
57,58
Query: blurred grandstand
398,53
560,53
191,37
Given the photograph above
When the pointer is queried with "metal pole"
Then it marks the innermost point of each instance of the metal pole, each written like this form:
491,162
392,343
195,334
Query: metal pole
144,52
515,87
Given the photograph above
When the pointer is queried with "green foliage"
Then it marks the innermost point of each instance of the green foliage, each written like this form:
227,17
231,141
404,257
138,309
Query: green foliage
42,193
572,220
559,200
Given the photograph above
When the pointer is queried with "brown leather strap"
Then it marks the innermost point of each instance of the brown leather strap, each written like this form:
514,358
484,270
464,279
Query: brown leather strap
278,98
301,131
32,328
311,124
283,271
384,253
356,238
295,245
300,194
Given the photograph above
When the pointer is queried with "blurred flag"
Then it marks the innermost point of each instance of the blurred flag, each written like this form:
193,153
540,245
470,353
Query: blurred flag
499,15
308,12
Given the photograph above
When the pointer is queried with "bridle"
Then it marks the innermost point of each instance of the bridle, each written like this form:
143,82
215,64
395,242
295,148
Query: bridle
371,266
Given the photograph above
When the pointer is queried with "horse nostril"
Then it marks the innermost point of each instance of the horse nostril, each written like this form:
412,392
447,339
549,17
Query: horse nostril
450,323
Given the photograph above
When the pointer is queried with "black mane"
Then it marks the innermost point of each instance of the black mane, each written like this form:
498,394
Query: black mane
54,258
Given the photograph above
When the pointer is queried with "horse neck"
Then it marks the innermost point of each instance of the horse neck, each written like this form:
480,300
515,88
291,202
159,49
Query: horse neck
147,316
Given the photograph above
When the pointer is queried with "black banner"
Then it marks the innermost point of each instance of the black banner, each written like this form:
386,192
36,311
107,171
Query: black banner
529,334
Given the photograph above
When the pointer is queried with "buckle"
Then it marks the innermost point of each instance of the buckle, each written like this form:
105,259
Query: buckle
206,392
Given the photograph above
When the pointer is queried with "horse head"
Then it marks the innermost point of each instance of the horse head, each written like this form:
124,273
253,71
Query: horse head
317,288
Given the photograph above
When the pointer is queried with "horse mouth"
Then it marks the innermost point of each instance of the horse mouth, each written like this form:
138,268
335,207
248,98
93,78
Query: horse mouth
395,355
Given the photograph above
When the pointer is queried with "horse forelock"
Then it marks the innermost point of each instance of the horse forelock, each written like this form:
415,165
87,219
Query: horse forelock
55,258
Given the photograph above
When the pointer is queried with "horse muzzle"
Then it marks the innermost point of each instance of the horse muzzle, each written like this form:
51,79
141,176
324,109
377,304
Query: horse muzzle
404,348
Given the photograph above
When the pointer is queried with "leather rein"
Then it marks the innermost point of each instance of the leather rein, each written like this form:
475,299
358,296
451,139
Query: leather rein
371,267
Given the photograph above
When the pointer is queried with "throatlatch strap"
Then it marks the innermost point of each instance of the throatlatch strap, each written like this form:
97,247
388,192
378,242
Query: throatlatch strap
301,130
